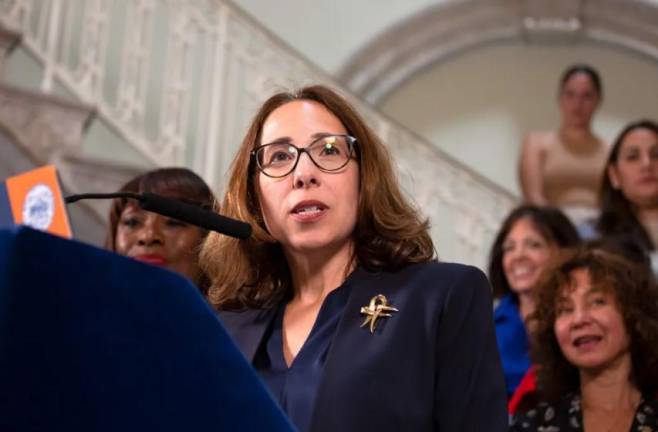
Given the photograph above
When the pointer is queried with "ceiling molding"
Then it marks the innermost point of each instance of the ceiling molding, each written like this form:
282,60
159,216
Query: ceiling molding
451,28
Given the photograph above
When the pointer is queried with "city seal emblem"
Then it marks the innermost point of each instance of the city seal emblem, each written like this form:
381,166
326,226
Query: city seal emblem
39,207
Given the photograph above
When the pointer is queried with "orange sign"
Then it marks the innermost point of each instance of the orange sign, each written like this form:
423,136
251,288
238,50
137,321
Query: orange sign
36,200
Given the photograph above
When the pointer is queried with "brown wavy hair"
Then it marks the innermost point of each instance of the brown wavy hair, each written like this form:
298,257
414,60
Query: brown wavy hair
636,295
173,182
389,232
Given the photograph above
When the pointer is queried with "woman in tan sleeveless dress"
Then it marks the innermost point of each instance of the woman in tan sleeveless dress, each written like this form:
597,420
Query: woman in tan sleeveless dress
563,168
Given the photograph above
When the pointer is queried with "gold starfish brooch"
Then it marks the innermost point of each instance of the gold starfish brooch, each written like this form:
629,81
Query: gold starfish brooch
378,308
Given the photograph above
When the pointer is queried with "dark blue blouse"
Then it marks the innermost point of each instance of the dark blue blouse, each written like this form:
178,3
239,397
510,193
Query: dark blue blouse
295,387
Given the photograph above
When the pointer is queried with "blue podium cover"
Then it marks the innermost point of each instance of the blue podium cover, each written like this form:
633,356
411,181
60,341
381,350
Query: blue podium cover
91,341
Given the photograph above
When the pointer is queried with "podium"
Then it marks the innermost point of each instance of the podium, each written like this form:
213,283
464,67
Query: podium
91,341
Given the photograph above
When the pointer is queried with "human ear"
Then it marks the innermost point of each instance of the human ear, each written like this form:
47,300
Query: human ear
613,176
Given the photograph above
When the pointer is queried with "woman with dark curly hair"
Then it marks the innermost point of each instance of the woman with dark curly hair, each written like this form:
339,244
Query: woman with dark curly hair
528,239
595,342
336,299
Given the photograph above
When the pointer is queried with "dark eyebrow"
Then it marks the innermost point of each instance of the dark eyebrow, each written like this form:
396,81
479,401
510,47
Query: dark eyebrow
280,140
322,135
596,289
632,148
288,140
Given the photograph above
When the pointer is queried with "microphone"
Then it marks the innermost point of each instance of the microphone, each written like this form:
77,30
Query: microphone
177,209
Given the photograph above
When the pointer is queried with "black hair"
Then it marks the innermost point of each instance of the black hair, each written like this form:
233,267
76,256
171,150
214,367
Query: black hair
617,212
588,70
551,223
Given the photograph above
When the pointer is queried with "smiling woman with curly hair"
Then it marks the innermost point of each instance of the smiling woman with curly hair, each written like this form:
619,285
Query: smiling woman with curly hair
595,343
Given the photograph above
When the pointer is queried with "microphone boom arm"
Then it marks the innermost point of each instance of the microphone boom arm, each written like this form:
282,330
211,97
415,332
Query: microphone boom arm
177,209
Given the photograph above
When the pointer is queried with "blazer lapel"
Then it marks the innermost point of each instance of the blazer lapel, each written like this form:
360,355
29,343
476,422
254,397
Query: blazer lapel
366,286
248,328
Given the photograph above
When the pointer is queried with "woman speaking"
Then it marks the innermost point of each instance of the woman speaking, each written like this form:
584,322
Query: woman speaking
336,299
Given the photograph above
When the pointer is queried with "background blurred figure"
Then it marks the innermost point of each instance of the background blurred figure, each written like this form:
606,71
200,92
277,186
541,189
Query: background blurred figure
595,343
563,168
156,239
529,238
525,395
629,190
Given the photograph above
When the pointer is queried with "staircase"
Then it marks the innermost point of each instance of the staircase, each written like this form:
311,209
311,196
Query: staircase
38,128
175,82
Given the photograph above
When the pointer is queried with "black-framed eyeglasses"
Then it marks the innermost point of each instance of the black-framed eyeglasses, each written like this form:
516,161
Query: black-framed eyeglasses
328,152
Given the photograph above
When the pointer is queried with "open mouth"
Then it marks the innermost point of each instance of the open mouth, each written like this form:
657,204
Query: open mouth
522,271
309,210
586,342
314,209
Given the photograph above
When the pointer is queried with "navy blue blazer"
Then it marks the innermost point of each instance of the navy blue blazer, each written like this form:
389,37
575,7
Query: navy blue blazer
432,366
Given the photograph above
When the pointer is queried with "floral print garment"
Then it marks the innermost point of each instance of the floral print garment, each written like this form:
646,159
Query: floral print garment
567,416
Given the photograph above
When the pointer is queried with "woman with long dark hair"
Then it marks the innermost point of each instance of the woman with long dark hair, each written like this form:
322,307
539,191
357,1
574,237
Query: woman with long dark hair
528,239
629,189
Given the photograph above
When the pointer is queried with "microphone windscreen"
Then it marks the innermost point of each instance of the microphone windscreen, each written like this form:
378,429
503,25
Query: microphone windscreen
194,215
